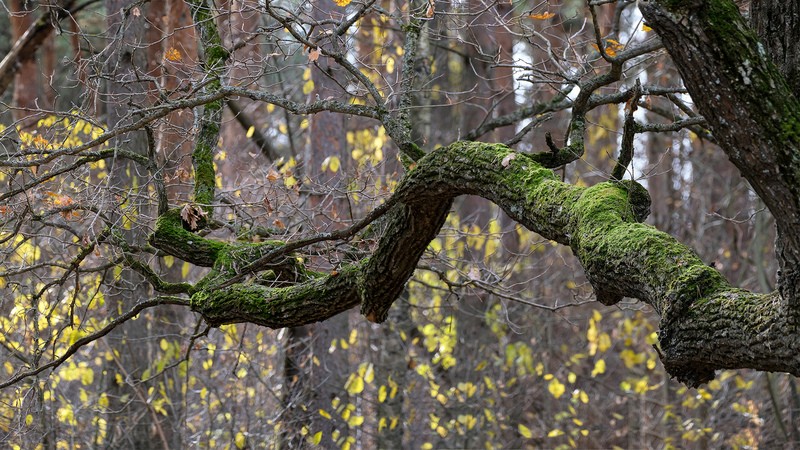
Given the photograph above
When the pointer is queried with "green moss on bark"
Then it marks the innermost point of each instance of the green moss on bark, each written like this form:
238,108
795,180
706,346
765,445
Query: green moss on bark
203,162
303,303
215,55
171,237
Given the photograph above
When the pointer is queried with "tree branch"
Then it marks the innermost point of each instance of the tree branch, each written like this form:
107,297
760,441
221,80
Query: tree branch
749,107
139,307
706,323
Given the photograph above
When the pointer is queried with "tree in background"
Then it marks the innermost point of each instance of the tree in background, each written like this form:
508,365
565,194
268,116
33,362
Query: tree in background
208,169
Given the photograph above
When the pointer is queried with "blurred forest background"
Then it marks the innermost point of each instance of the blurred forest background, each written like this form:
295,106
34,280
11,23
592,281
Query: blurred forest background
496,343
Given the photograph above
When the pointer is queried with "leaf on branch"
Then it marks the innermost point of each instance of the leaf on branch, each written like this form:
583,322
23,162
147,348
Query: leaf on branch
313,55
332,163
173,54
542,16
431,10
611,47
191,214
342,3
63,201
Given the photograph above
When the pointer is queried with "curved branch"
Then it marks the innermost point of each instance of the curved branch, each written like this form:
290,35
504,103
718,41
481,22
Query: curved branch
706,323
748,105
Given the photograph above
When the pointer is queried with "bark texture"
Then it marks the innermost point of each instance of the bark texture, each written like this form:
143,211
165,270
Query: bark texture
749,107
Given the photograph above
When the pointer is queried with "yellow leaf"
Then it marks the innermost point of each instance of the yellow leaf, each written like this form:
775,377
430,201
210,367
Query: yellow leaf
317,438
331,163
369,373
542,16
250,132
342,2
641,386
324,414
185,270
354,385
524,431
646,28
556,388
604,342
355,421
555,433
382,394
240,441
599,367
308,86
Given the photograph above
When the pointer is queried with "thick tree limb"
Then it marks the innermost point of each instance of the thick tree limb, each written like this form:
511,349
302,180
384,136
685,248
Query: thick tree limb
706,323
748,105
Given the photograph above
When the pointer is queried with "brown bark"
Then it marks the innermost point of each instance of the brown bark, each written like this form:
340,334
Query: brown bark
749,107
706,323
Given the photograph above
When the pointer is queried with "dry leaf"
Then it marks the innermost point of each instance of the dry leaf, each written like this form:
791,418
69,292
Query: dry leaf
172,54
273,175
182,174
313,55
191,214
135,11
542,16
507,160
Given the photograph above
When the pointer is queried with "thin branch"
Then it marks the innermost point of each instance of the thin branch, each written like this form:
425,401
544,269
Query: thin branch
139,307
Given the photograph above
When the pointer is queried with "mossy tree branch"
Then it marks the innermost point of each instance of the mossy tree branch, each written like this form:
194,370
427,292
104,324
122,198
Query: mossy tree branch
706,323
214,57
748,106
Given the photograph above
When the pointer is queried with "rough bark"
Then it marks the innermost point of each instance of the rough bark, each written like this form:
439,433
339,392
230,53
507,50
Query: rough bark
778,26
749,107
706,323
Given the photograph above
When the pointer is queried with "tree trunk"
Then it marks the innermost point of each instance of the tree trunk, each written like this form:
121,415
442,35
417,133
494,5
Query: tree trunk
749,107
